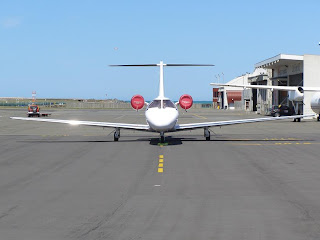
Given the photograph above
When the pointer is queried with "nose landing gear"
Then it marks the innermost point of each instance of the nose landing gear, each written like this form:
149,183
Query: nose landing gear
162,138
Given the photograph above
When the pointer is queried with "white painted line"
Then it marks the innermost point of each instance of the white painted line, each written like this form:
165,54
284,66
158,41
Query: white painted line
157,185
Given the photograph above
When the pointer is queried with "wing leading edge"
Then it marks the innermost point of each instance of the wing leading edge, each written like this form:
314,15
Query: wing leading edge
178,127
190,126
140,127
285,88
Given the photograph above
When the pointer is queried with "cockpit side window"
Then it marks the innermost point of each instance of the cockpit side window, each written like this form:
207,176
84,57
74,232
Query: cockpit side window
155,104
168,104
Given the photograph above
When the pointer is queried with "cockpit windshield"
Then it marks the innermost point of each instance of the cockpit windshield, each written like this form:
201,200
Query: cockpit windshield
155,104
168,104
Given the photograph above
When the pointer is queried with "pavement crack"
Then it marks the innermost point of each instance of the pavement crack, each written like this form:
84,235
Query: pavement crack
8,212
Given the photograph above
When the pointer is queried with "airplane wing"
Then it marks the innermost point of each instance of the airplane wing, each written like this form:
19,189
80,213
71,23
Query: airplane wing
311,89
286,88
140,127
190,126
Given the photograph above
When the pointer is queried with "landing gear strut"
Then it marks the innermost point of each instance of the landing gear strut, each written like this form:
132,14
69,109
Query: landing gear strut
296,111
116,135
207,134
162,138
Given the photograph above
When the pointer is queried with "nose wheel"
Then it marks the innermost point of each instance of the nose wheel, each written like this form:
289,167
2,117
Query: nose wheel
162,138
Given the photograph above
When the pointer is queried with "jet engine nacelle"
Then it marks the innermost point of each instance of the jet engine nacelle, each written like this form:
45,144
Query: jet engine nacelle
186,101
137,102
296,95
315,103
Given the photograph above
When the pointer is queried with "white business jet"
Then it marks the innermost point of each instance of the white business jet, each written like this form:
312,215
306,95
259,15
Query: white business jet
161,114
295,94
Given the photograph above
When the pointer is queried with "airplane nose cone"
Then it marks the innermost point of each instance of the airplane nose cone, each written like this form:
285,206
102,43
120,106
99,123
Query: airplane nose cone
162,120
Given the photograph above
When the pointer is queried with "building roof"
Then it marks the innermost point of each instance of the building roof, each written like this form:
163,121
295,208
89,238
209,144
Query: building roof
279,60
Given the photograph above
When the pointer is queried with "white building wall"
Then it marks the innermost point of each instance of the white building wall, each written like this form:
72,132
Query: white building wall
290,69
311,78
242,80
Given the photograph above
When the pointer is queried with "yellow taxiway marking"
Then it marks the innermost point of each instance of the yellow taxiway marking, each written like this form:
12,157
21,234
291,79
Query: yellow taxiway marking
281,139
265,139
160,165
199,116
274,144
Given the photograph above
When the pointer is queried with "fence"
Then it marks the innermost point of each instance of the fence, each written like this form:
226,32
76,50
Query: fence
117,105
86,105
25,104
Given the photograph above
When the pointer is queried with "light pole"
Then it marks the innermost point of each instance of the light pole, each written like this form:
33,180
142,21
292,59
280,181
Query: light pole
218,78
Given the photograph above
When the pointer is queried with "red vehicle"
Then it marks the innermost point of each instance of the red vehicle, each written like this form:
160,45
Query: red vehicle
34,111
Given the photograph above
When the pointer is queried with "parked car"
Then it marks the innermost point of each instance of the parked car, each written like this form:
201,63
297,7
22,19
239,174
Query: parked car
282,110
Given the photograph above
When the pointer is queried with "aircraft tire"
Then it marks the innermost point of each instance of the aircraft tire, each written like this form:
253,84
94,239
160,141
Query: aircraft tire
115,138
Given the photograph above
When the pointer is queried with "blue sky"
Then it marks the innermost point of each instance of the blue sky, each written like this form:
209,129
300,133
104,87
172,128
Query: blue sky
63,48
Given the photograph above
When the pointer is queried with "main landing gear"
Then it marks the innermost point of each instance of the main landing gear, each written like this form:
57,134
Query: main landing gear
296,111
297,119
207,134
116,135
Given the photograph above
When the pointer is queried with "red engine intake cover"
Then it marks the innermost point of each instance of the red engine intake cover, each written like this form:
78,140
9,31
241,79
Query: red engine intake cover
186,101
137,102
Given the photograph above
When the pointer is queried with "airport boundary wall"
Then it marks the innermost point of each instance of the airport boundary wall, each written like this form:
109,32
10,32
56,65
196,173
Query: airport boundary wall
76,104
119,105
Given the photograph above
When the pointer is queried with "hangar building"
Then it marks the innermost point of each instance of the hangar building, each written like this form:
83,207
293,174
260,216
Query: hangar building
293,70
280,70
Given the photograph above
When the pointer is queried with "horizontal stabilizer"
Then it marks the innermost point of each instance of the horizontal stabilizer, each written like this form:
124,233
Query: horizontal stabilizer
134,65
189,65
165,65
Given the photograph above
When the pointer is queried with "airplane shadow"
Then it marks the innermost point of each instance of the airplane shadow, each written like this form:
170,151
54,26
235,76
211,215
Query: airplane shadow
169,141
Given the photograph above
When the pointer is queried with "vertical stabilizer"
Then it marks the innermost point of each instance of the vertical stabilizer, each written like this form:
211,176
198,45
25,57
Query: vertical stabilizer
161,84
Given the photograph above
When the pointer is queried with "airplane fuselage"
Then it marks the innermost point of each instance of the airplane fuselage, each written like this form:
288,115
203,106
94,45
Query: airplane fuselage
162,115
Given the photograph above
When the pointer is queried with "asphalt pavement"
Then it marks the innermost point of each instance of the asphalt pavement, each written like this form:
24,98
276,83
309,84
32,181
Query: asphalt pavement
251,181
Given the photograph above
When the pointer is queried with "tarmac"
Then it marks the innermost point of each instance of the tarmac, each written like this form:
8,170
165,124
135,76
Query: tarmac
251,181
